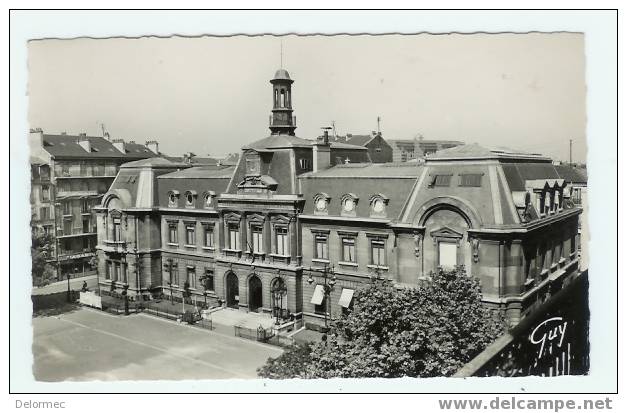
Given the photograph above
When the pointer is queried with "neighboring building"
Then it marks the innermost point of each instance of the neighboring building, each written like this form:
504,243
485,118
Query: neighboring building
41,197
261,235
70,174
404,150
577,179
378,149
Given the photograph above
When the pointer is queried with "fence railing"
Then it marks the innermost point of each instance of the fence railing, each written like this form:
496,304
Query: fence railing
258,334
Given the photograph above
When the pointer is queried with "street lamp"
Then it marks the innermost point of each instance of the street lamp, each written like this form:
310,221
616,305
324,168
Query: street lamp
168,266
125,294
327,287
278,291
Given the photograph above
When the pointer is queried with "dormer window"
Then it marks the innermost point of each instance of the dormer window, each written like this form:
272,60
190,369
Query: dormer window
190,199
208,199
321,203
378,205
440,180
253,164
173,199
349,203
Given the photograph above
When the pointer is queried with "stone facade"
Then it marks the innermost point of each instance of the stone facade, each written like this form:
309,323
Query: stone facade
288,232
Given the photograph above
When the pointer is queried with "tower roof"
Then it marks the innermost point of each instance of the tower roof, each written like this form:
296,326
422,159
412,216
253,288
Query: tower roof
282,74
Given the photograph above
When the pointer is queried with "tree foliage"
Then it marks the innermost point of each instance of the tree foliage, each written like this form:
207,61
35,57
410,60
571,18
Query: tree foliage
41,250
428,331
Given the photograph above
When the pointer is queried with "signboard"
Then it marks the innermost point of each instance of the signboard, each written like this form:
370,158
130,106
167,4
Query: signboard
553,341
90,299
75,256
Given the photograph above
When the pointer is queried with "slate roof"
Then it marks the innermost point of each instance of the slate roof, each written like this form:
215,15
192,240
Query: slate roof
279,142
155,162
200,172
66,146
475,150
368,170
517,173
572,174
360,140
196,160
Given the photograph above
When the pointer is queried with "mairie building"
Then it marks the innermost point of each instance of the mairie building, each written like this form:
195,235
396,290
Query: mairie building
298,225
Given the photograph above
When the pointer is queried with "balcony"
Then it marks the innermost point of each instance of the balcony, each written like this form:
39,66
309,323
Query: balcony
64,194
76,232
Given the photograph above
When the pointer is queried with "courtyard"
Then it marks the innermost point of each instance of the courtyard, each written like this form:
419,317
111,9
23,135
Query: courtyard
86,344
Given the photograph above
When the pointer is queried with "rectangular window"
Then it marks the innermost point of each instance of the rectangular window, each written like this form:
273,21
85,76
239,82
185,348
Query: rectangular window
257,238
191,277
470,180
174,274
348,250
173,237
208,239
44,213
234,236
208,281
107,270
117,231
124,268
377,248
85,207
447,255
441,180
322,250
190,234
322,307
67,208
281,241
67,227
86,225
117,272
45,193
65,170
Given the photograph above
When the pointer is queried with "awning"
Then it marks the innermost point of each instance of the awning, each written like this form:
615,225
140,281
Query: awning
318,295
346,297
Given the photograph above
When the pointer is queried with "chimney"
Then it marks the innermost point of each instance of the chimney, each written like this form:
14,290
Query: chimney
84,142
153,146
119,145
36,140
322,153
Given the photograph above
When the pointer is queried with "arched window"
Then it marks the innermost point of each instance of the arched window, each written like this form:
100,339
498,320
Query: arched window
276,97
282,98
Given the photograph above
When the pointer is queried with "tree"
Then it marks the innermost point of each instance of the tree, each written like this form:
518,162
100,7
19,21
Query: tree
292,364
428,331
41,249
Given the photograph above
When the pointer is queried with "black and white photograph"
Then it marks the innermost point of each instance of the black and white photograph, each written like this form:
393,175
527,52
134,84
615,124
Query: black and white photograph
283,205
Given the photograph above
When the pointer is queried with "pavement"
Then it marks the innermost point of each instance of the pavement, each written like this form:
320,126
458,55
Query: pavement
232,317
75,284
86,345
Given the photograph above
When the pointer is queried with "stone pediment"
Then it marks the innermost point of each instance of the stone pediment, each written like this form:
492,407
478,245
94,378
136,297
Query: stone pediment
446,232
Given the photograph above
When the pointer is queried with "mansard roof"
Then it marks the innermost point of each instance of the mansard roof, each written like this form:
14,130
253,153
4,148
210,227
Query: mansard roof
279,141
476,151
67,146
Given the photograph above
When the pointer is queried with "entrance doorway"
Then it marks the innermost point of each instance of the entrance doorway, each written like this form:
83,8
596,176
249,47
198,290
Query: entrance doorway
232,290
255,300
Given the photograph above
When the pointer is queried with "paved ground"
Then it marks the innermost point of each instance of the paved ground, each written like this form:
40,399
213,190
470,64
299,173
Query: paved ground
91,345
75,284
232,317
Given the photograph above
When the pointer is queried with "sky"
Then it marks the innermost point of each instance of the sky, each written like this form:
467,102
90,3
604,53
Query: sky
211,95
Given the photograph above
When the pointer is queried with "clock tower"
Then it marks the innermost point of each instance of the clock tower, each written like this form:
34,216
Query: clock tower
281,121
